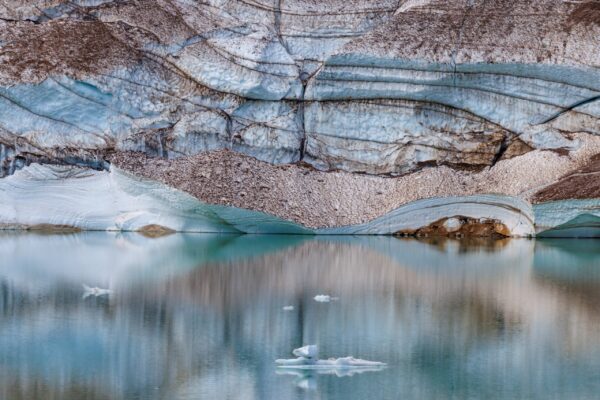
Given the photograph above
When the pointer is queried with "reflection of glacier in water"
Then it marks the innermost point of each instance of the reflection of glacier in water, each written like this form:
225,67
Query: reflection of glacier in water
307,378
200,316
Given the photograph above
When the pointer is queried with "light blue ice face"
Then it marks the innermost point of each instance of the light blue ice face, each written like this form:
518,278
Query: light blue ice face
364,113
108,105
364,106
568,218
60,104
69,108
574,76
201,316
511,95
111,108
271,131
101,111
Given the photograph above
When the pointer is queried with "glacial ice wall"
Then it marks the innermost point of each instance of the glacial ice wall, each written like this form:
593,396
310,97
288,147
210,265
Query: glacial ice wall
456,114
568,218
385,87
379,87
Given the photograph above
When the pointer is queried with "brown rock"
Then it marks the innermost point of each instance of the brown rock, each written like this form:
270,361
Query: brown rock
582,184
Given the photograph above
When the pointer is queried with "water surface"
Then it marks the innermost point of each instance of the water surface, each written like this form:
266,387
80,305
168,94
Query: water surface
200,317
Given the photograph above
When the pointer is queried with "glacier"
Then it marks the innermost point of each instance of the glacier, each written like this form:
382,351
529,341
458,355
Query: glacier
398,89
117,201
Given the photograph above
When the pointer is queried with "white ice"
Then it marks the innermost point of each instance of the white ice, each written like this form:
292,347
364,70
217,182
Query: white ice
95,291
307,358
324,298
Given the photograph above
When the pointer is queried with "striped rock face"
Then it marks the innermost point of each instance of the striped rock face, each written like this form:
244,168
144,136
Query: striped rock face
309,116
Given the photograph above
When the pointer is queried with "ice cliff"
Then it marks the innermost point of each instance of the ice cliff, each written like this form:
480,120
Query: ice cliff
330,115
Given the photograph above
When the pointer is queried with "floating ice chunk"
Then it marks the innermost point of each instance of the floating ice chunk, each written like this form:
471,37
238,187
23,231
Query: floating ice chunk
299,362
288,308
329,364
324,298
307,358
94,291
346,362
309,351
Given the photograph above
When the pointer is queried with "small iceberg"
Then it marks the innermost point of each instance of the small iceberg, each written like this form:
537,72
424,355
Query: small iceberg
94,291
288,308
308,358
324,298
309,351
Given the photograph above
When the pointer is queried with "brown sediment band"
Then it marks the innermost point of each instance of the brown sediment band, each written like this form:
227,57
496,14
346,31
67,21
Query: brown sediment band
34,52
461,227
53,229
582,184
586,13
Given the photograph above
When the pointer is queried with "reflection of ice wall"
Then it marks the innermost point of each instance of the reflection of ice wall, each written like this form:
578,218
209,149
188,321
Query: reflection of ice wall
120,259
443,315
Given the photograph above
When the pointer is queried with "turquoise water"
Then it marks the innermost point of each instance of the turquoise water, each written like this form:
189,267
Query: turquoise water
200,317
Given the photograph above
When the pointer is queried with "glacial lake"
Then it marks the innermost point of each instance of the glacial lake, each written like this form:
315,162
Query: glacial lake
201,317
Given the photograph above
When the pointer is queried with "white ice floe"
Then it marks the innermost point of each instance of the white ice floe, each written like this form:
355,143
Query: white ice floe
308,358
324,298
288,308
309,351
95,291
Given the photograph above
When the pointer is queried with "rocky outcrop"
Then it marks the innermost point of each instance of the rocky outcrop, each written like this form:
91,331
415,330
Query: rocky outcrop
445,99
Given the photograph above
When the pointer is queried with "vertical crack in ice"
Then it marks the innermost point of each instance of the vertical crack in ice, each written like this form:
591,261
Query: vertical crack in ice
277,26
